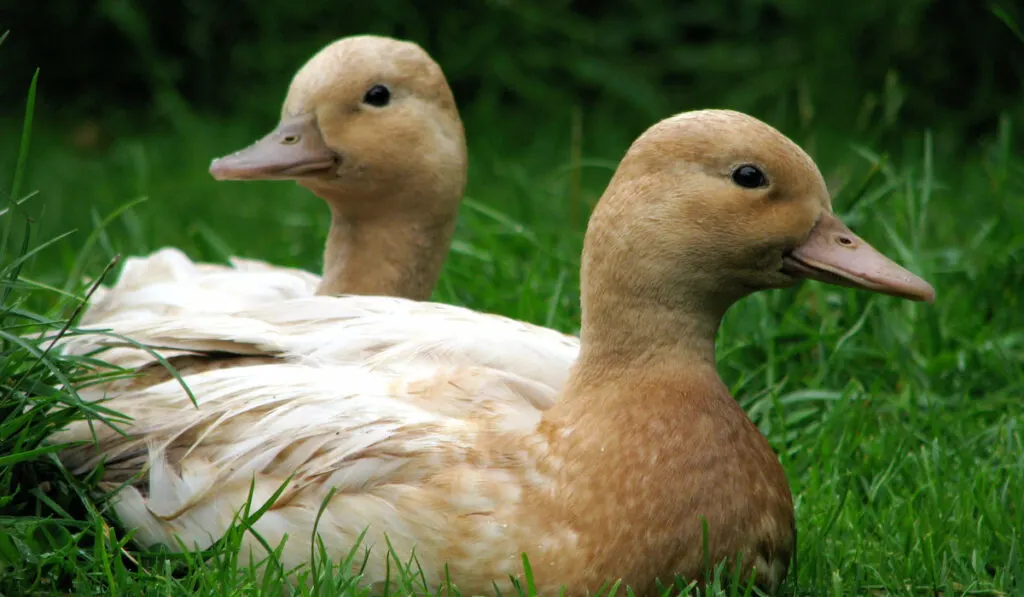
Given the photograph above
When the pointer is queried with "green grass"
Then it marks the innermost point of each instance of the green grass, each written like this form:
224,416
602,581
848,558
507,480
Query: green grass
900,425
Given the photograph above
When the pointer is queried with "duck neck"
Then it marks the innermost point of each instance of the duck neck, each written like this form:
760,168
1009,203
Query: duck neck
384,254
634,331
628,342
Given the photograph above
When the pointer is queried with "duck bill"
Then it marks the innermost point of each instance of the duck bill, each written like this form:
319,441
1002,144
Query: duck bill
834,254
295,149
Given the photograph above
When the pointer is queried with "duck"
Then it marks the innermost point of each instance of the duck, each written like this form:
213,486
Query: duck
636,463
370,126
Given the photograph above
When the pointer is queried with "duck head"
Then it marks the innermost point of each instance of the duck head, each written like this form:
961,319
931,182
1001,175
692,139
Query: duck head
365,120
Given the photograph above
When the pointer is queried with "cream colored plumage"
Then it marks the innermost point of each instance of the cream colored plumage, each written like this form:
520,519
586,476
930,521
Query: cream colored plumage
167,282
371,330
464,456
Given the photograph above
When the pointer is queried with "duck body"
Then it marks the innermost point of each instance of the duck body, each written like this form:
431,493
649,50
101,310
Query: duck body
464,463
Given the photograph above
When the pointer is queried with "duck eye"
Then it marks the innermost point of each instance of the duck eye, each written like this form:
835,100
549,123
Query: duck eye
378,96
749,177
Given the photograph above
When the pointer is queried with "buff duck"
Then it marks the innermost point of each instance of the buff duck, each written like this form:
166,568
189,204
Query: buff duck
369,125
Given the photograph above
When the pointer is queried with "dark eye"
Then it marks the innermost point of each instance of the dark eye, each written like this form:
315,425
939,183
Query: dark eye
378,95
749,177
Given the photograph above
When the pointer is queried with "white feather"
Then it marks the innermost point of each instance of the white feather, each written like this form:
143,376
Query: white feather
388,445
167,282
378,331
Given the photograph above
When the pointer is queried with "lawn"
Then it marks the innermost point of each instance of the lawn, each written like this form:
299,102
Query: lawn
900,425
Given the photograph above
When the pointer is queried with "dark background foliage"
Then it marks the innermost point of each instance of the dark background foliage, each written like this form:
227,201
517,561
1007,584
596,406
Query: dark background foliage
849,66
